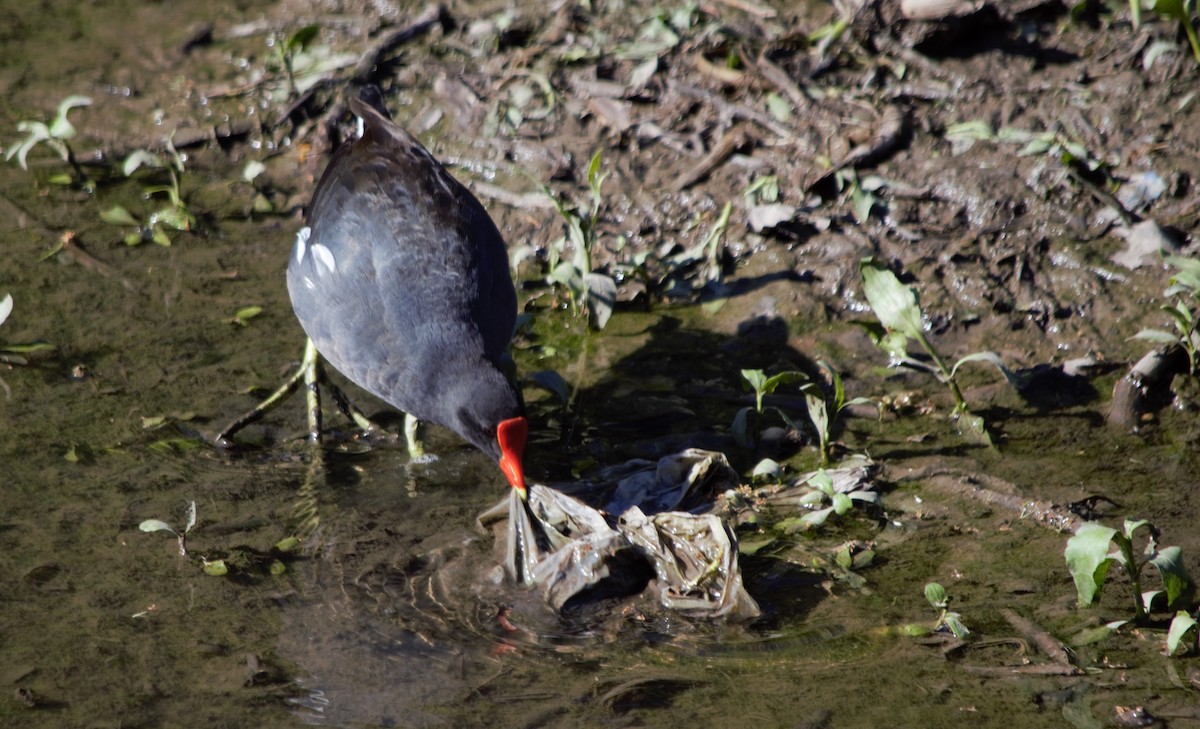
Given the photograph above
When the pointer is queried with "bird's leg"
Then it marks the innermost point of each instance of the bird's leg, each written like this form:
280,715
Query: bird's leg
256,413
311,367
416,449
312,374
365,424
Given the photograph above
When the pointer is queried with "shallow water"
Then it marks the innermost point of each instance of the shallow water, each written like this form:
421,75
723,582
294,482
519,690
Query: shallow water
390,614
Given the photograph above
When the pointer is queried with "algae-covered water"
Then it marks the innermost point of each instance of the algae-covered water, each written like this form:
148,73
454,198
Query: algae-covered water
387,611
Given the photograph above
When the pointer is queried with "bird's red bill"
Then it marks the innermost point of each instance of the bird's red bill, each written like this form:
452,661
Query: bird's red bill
511,435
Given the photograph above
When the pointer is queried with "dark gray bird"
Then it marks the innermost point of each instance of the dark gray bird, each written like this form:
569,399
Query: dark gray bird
402,282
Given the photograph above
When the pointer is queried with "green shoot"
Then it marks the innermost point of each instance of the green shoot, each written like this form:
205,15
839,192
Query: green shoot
1089,560
174,215
216,567
1186,285
898,309
56,135
824,412
762,386
952,621
588,290
158,525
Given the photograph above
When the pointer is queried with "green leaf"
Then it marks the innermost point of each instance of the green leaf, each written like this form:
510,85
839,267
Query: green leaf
766,468
1175,578
246,313
773,382
141,158
1181,625
287,544
991,357
755,544
896,305
118,215
173,217
216,568
1088,560
160,237
756,379
191,517
594,178
299,40
821,481
61,127
816,518
155,525
1132,525
842,503
936,595
953,621
1157,336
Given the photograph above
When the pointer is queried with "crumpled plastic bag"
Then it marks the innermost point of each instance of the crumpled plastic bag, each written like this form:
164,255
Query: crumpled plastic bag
570,550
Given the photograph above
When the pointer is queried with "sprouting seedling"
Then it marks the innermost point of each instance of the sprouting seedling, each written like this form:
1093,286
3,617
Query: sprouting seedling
588,290
948,620
158,525
900,319
57,135
173,215
705,254
1186,285
823,491
1089,560
216,567
762,386
824,412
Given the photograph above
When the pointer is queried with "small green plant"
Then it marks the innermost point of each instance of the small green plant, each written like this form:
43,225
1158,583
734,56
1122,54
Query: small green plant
174,215
898,309
762,386
215,568
57,135
824,412
1089,560
947,620
1185,285
823,492
588,290
287,50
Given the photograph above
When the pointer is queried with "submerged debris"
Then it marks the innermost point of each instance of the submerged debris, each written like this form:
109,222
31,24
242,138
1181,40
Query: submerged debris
574,552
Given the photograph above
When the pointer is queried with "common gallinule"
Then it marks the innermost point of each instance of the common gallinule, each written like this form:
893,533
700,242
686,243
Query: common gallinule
401,281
